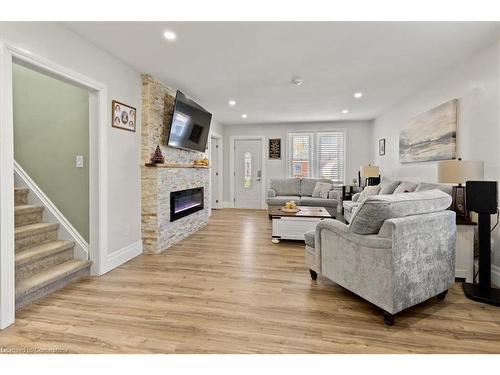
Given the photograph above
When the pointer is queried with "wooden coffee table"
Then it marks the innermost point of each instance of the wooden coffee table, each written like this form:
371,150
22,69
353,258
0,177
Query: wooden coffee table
293,225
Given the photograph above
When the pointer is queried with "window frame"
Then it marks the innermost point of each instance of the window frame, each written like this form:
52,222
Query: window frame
314,136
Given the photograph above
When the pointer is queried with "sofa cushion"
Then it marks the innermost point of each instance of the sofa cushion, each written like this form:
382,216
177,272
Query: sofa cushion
287,186
371,214
388,187
405,187
424,186
280,200
349,205
368,192
318,202
309,238
307,185
321,190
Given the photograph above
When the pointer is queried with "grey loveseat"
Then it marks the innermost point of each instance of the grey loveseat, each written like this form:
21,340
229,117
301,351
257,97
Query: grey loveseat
398,251
300,190
392,187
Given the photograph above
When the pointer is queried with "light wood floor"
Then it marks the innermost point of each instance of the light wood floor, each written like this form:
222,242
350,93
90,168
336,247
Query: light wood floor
228,289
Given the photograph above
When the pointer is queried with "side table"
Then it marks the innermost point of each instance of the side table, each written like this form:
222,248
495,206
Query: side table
464,252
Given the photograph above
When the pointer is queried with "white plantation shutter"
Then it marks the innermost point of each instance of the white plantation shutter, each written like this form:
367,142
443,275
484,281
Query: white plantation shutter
300,155
330,156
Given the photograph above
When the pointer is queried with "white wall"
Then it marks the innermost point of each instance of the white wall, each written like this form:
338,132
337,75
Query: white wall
62,46
216,127
475,83
358,145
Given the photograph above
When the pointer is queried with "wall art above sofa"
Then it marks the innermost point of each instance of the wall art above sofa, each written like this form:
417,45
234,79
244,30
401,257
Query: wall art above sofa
431,135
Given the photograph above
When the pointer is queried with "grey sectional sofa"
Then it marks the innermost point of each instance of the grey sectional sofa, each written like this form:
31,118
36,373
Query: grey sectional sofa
398,251
392,187
300,190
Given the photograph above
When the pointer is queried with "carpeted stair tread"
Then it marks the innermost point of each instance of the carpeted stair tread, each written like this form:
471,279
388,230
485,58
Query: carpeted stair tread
27,208
32,229
39,252
52,275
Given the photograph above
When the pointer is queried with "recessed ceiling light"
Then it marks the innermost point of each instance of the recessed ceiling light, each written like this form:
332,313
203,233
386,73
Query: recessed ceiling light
232,103
244,115
169,35
344,111
358,95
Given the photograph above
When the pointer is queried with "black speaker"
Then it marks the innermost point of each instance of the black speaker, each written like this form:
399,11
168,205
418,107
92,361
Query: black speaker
481,197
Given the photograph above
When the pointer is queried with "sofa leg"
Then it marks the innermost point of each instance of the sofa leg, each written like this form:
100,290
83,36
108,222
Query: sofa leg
388,318
314,275
441,296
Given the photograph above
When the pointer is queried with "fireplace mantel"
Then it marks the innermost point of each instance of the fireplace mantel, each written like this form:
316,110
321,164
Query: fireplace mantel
175,165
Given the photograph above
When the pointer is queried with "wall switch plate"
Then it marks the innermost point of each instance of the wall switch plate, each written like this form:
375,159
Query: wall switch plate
79,161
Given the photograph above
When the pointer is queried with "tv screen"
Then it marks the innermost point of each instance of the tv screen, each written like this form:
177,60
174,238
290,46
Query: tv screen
190,125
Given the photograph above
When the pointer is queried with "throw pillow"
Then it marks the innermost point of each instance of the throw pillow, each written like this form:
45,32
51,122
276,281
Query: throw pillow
388,187
405,187
368,192
321,190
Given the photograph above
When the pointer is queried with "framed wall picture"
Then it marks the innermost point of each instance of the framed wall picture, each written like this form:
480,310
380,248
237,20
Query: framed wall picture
275,148
430,136
381,147
123,116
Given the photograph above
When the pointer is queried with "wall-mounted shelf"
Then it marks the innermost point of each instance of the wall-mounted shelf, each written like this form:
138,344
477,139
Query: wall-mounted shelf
175,165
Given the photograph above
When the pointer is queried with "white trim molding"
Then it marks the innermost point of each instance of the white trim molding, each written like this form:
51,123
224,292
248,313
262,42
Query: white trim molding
52,213
220,157
7,255
232,140
123,255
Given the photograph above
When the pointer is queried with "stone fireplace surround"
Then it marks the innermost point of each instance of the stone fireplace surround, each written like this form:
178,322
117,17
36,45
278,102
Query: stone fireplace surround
158,232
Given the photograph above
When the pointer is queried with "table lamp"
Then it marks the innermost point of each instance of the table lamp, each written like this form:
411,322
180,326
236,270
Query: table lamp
371,174
458,172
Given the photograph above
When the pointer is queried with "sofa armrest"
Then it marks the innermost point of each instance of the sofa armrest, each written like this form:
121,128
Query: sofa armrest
271,193
423,256
341,230
355,197
335,194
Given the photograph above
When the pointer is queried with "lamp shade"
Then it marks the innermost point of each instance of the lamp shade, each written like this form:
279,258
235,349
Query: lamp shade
460,171
369,171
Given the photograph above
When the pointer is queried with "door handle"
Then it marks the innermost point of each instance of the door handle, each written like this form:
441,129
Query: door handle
259,176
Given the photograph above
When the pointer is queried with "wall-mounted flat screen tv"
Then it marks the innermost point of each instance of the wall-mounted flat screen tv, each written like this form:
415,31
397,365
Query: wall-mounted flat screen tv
190,124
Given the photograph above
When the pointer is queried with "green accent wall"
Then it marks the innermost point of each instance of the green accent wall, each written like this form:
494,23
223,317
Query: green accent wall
51,127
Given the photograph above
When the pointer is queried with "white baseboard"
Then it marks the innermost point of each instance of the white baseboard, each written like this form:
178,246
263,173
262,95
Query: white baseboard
117,258
226,205
495,275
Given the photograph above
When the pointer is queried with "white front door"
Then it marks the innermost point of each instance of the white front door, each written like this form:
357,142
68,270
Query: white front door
248,173
215,173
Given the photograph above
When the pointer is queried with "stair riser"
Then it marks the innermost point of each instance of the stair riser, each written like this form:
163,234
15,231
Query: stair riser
36,239
51,288
28,218
21,198
38,265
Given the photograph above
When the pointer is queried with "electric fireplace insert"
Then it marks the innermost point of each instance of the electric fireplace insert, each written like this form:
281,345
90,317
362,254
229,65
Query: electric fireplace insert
186,202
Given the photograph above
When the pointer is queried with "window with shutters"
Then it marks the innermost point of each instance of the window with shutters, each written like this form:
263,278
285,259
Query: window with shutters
330,156
300,154
317,155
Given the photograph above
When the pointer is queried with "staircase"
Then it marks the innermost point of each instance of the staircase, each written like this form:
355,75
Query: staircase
44,264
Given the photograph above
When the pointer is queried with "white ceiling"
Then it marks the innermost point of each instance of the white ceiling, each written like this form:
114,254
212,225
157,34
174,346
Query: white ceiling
253,62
